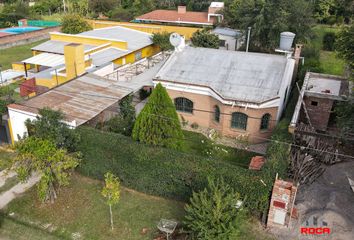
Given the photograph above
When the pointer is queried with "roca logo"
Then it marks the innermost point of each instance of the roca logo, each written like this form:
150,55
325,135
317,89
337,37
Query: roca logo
315,226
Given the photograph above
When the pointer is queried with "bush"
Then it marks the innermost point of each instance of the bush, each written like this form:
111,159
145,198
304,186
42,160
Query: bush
121,14
212,213
328,41
74,24
166,172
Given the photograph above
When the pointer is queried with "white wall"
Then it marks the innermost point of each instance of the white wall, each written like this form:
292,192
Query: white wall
229,41
18,119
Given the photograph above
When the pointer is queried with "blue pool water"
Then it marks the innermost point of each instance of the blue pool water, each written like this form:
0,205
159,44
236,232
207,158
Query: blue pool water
17,30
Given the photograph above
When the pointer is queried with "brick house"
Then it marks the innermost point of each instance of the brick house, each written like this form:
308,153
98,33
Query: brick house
238,94
319,95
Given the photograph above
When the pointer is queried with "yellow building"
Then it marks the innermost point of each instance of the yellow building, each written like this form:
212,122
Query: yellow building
66,56
186,32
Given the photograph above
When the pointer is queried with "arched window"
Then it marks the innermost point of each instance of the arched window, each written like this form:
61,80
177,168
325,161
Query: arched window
265,121
239,120
217,113
184,105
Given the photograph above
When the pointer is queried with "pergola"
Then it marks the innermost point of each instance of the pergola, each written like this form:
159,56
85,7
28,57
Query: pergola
45,59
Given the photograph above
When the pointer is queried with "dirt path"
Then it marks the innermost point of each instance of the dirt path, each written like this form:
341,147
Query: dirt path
16,190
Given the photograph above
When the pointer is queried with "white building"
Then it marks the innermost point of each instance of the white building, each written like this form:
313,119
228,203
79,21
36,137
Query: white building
230,39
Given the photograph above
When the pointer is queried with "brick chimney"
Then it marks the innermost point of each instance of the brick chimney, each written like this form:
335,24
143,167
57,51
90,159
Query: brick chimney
182,9
297,55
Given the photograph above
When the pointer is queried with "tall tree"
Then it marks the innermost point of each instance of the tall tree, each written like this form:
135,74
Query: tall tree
212,212
268,18
111,191
40,156
203,38
158,123
345,46
50,125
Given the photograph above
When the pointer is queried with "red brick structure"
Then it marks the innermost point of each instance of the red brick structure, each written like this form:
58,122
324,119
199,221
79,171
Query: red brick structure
282,203
256,163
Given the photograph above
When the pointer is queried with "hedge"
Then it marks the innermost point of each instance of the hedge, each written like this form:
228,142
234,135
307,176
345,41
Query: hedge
165,172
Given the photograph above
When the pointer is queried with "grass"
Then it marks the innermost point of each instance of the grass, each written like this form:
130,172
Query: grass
329,61
81,210
16,54
201,145
9,183
6,157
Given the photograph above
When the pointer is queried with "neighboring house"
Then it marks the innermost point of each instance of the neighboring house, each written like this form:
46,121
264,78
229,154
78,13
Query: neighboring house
237,93
57,60
183,17
318,97
89,99
230,39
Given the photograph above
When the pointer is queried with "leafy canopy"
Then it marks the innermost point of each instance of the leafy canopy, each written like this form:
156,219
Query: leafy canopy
268,18
158,123
40,156
203,38
50,125
345,46
212,212
111,190
74,23
162,40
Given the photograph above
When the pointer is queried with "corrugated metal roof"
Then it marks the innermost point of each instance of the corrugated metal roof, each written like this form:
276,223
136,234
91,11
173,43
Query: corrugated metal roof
53,46
239,76
80,99
227,32
107,55
46,59
134,38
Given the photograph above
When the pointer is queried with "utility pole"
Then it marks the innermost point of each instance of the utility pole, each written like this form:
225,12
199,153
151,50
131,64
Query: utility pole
248,38
64,6
1,74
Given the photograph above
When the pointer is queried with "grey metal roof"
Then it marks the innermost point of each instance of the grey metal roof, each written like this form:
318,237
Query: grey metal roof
134,38
239,76
227,32
53,46
107,55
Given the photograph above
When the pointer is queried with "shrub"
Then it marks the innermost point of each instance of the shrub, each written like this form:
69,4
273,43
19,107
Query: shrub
166,172
162,40
158,123
121,14
203,38
212,212
328,41
74,24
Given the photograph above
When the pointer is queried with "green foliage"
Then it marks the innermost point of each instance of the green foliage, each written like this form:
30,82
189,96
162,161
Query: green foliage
328,41
322,9
162,40
345,115
49,125
166,172
6,97
142,6
101,6
74,24
158,123
345,46
42,157
121,14
111,191
212,212
47,6
269,18
203,38
124,122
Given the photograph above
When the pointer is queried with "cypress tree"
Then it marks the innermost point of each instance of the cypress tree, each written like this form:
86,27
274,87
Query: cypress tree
158,122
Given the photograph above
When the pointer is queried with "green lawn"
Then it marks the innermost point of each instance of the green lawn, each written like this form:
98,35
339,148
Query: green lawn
5,158
197,143
80,210
15,54
330,63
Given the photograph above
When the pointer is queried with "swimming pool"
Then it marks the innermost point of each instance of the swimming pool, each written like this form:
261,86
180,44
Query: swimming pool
18,30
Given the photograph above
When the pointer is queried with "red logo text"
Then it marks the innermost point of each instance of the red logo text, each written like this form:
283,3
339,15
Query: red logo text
315,230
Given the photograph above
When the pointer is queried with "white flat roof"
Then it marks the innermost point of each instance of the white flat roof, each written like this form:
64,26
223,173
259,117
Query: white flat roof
324,86
46,59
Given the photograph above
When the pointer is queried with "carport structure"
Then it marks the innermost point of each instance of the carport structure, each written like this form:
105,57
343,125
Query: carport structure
44,59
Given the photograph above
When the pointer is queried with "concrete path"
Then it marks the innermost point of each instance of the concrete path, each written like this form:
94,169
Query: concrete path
11,194
6,174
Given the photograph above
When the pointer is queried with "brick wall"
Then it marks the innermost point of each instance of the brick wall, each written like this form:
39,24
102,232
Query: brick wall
205,118
283,197
24,38
320,113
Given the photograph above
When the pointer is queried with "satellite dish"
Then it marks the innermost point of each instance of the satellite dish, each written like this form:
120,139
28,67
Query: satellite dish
175,39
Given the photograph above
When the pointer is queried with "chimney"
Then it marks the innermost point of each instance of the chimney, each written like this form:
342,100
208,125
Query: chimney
182,9
74,60
297,55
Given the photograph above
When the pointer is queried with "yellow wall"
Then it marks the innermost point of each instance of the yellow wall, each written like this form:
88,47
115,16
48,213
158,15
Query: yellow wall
74,60
20,66
145,53
87,40
187,32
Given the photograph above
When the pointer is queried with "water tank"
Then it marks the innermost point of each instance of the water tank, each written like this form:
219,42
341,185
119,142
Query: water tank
286,40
